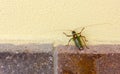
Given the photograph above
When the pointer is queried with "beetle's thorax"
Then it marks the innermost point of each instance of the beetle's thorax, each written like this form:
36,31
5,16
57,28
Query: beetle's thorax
75,36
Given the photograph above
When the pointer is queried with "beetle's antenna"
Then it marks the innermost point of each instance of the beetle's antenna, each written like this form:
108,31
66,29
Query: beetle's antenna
97,24
91,25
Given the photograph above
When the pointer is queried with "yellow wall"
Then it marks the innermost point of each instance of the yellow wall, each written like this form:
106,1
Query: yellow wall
37,21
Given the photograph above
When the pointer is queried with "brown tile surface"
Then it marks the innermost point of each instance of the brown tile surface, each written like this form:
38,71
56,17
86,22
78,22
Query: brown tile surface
109,64
101,59
77,63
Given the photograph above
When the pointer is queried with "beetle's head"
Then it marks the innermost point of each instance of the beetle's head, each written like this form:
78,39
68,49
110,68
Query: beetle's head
73,32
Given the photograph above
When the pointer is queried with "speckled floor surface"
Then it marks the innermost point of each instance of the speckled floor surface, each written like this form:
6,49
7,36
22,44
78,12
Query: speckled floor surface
45,59
100,59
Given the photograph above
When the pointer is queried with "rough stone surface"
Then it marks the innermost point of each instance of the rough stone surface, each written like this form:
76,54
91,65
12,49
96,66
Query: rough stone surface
101,59
109,64
43,59
26,62
77,63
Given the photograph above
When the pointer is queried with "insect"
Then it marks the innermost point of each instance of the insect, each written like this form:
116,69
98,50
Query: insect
79,40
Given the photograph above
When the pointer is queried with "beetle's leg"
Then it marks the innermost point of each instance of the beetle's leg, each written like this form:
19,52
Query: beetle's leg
67,35
84,38
69,41
84,42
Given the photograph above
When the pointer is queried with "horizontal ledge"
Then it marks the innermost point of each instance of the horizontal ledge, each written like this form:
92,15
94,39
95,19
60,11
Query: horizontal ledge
94,49
31,48
38,48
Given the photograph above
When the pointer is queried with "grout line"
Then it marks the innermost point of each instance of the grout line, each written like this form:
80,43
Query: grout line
55,55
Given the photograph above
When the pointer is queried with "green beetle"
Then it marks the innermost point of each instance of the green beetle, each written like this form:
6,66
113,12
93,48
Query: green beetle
79,40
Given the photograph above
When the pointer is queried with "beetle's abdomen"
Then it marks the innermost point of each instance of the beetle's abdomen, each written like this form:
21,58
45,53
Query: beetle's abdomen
78,43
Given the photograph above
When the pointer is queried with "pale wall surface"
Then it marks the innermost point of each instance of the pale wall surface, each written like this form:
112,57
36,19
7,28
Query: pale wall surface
38,21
